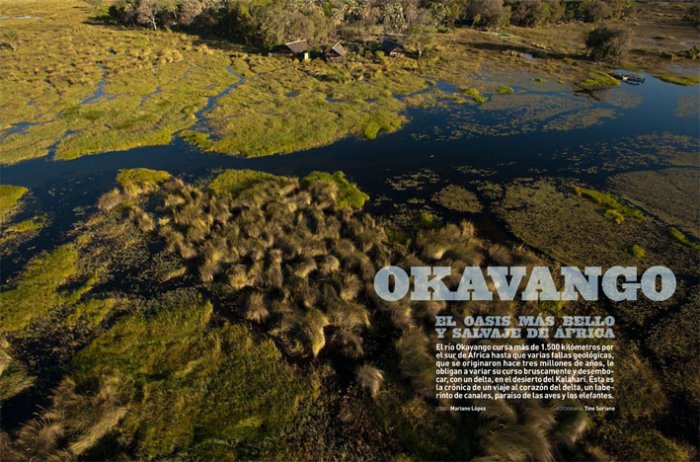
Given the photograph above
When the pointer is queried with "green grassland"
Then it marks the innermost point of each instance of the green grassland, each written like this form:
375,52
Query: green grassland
157,84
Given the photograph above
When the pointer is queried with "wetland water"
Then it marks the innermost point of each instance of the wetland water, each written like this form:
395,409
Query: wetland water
456,143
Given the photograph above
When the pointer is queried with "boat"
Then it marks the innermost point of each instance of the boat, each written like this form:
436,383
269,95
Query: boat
628,77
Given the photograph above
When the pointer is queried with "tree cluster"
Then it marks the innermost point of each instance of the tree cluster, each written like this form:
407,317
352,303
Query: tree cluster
268,23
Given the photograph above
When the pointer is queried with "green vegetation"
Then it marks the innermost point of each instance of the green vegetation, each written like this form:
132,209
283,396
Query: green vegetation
683,80
201,140
665,192
614,210
234,182
172,364
638,252
599,79
426,220
348,194
39,289
81,106
14,378
682,238
21,231
139,180
296,260
371,130
503,90
10,197
575,231
474,94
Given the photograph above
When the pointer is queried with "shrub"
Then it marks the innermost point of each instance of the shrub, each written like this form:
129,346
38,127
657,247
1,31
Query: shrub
475,95
371,130
607,43
638,251
615,216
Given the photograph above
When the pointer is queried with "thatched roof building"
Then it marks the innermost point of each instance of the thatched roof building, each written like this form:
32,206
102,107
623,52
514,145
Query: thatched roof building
337,52
297,48
393,48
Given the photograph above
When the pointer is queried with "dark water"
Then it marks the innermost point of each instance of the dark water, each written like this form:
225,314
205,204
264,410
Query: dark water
66,190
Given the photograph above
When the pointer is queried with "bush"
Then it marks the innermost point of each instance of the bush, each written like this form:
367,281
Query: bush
607,43
475,95
638,252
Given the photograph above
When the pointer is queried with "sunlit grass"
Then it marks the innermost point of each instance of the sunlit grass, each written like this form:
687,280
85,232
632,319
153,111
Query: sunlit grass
615,211
683,80
10,197
682,238
348,193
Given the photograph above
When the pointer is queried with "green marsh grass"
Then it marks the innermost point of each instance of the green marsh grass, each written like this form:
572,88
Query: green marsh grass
615,211
348,193
682,238
682,80
10,197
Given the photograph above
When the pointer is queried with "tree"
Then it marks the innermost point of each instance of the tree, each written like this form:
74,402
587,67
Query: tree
446,12
279,23
528,13
392,17
420,38
153,13
486,13
594,10
532,13
607,43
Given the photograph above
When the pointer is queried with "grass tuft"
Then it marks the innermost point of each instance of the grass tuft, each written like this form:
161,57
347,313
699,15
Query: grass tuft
475,95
